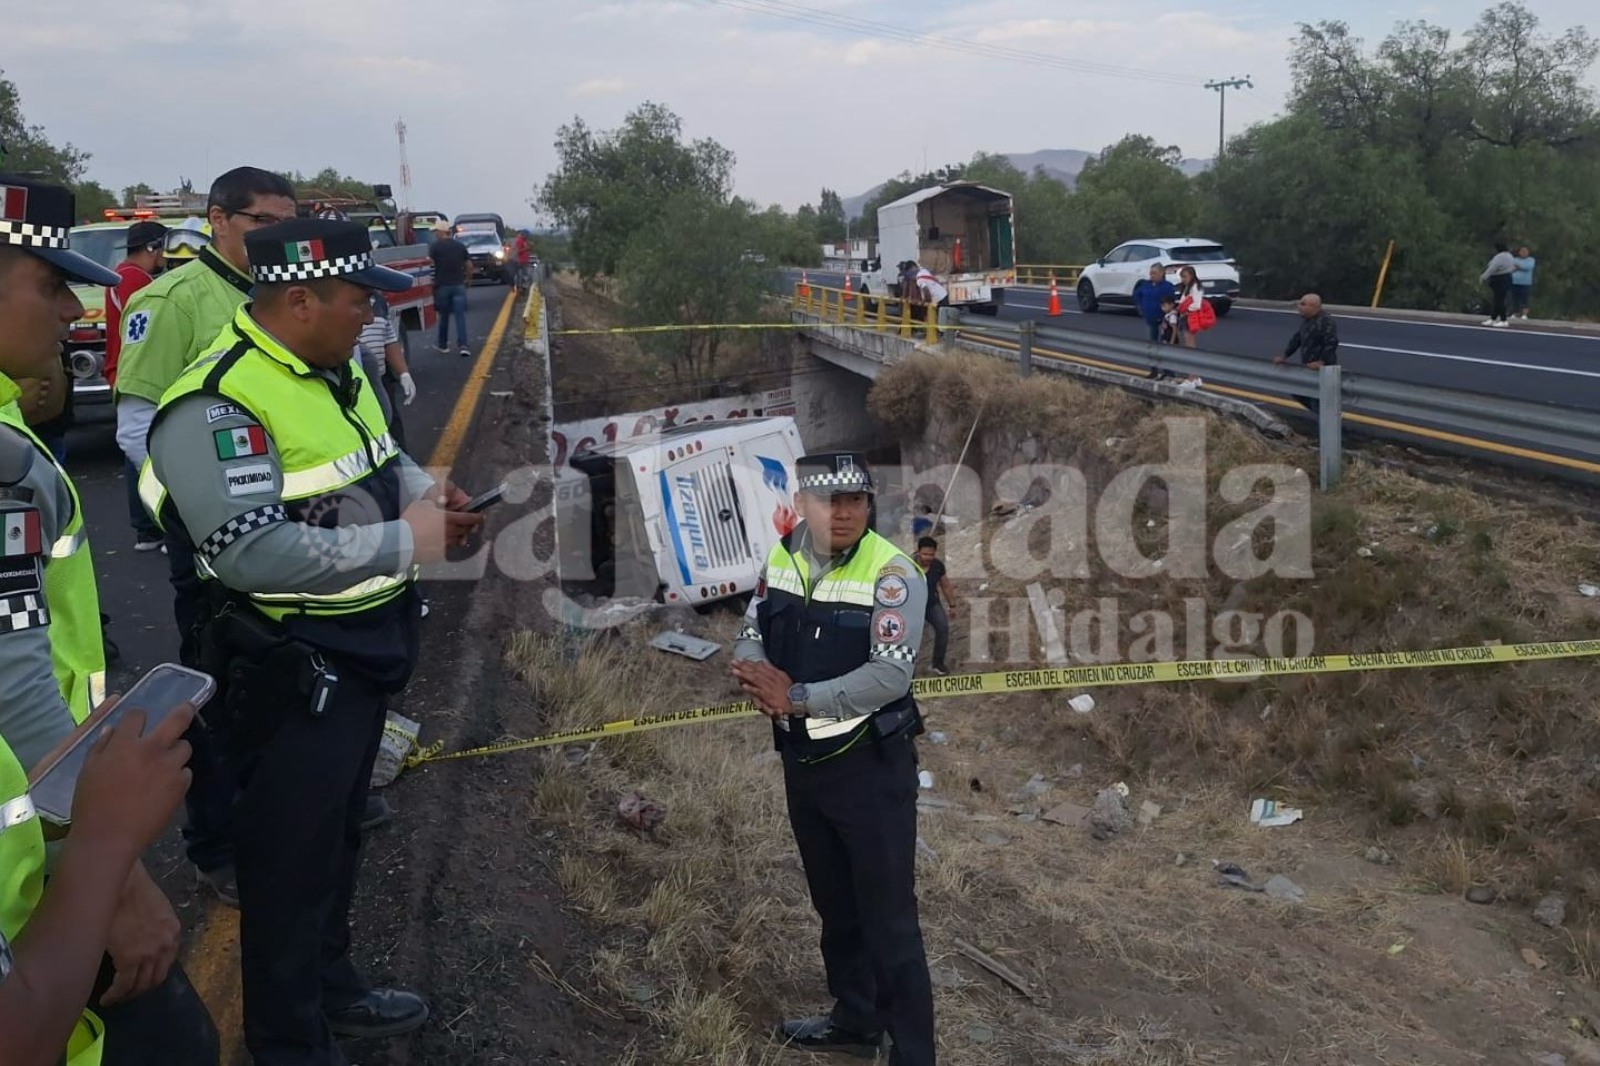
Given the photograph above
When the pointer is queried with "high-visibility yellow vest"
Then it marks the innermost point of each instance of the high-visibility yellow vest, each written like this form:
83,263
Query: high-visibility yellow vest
77,644
22,882
822,631
327,446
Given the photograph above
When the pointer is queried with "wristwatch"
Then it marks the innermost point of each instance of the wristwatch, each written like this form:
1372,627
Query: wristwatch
798,694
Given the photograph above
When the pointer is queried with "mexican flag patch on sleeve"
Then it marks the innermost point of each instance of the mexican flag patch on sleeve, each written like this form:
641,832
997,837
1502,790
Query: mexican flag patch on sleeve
240,443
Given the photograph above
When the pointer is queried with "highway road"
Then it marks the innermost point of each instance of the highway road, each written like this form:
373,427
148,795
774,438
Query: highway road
1523,362
134,590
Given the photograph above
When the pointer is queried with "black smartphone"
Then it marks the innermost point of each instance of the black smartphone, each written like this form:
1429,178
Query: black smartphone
157,694
487,500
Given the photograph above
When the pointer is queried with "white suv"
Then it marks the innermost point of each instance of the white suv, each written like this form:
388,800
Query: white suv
1111,279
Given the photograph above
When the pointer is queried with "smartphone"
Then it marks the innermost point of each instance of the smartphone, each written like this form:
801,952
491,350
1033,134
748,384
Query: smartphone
157,694
487,500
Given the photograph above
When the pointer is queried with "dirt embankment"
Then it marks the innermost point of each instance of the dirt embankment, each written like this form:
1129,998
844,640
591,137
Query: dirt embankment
1417,785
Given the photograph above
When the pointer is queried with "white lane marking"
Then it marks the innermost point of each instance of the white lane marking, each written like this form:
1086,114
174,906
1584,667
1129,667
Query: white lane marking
1475,359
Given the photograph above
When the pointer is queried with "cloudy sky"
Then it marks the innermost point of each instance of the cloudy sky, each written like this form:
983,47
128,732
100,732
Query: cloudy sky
187,88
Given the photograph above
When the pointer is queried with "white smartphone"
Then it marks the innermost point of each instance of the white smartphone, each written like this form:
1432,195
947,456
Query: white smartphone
157,694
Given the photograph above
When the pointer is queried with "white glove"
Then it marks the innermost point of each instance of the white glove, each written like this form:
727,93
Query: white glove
408,387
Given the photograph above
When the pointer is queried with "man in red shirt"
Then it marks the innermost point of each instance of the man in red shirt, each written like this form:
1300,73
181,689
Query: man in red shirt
520,253
146,255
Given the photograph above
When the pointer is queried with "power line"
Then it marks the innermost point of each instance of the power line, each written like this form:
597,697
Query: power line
859,27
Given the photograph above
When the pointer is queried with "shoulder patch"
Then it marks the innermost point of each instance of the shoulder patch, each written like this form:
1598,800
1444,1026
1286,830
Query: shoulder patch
893,568
241,442
891,590
219,411
890,627
251,479
136,326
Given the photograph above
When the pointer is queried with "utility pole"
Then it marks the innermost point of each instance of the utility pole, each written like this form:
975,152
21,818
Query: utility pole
1222,86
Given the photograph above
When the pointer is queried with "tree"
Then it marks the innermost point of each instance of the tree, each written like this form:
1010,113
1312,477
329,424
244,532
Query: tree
1528,88
610,186
328,184
133,192
1133,188
690,264
831,223
28,151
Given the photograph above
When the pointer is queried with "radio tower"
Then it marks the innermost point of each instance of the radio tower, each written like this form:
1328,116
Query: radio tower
405,166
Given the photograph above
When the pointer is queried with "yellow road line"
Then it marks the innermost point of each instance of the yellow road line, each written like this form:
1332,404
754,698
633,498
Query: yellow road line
212,959
455,430
1350,416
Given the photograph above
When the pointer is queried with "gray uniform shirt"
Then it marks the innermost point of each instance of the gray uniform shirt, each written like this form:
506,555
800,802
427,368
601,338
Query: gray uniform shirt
33,713
233,509
884,678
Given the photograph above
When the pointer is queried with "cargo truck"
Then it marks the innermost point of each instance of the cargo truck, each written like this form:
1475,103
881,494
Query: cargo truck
961,232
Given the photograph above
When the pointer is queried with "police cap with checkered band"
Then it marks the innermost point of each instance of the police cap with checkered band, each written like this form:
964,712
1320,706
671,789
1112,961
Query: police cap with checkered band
37,218
833,474
304,249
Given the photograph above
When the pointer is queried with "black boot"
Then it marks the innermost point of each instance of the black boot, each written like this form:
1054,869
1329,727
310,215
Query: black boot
820,1034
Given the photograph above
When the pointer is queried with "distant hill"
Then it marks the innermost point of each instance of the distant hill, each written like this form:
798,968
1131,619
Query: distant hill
1063,164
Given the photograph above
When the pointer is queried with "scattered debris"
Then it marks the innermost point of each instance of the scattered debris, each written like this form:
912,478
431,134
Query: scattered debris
1002,508
980,1034
684,644
946,977
1044,617
1082,704
1582,1026
1534,959
1149,812
1589,590
1232,875
924,779
1115,442
501,393
925,851
999,969
1481,894
1396,948
640,811
1551,911
937,737
1067,814
1033,788
1075,770
1267,813
974,784
1180,859
1280,887
399,738
1555,1058
935,803
993,839
1378,856
1364,551
1266,712
578,754
1110,815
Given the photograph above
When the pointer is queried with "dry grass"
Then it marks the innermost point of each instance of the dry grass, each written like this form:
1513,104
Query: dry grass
1475,776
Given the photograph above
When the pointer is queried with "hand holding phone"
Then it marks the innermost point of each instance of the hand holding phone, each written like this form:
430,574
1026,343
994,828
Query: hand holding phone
132,781
479,504
166,691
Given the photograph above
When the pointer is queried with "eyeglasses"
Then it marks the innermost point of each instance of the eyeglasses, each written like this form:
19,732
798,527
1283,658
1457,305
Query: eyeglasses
260,220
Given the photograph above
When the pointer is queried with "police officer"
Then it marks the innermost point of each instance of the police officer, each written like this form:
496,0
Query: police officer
166,326
270,463
827,651
52,665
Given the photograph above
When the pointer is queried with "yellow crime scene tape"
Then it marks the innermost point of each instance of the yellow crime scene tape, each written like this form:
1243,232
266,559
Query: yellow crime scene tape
1042,678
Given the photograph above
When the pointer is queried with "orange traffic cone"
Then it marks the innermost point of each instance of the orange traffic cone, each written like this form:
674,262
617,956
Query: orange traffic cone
1054,308
805,284
847,295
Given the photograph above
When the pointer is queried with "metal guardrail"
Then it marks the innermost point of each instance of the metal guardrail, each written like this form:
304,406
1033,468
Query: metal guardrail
1549,434
1040,274
849,308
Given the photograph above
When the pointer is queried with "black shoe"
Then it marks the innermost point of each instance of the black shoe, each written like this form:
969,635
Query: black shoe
466,353
820,1034
381,1012
377,813
220,883
147,542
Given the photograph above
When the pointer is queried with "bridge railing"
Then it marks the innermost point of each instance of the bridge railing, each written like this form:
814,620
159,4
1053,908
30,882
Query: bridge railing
1040,274
872,312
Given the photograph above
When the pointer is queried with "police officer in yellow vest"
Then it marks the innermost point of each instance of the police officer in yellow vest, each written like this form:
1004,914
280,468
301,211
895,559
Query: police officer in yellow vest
271,463
52,936
827,651
52,667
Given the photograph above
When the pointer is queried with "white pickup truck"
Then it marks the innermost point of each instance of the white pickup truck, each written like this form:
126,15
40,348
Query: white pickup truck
961,232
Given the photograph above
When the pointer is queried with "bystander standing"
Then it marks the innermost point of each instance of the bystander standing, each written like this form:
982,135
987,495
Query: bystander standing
1522,281
1497,275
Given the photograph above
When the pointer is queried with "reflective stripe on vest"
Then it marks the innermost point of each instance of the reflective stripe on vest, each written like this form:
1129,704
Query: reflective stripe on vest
300,413
853,584
77,641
